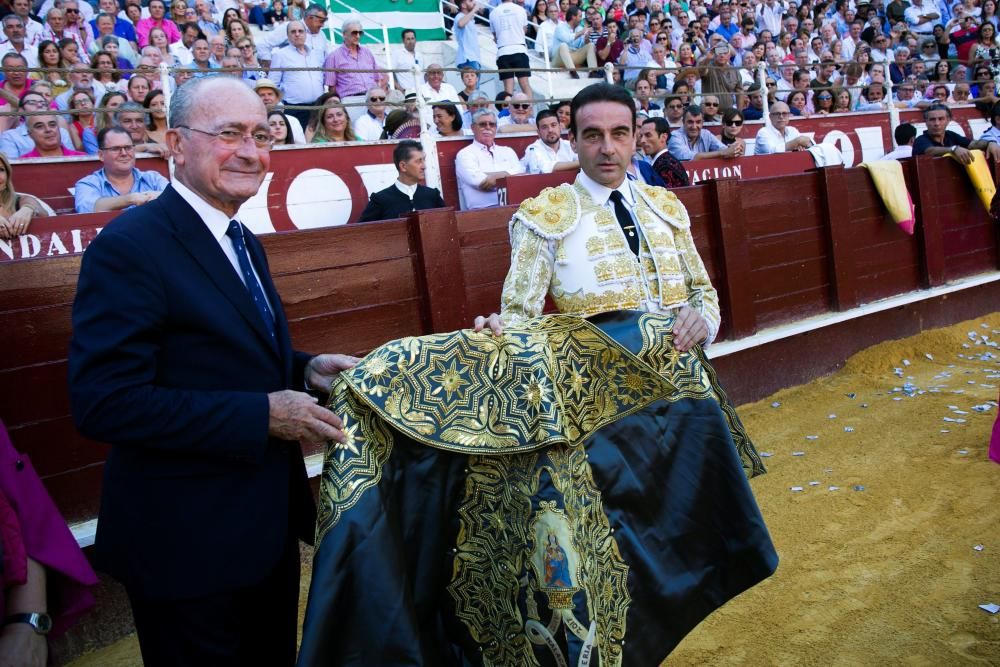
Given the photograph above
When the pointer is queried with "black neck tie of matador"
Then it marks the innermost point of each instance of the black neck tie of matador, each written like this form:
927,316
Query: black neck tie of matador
626,221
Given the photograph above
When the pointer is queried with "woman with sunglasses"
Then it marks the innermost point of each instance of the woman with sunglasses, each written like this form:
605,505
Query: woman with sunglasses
252,71
823,102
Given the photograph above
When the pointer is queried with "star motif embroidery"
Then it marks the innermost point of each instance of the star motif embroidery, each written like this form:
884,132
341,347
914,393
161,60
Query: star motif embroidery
534,393
351,442
450,379
577,382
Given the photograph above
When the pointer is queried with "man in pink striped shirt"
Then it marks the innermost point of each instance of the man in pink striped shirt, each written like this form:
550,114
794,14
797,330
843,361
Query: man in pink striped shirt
352,56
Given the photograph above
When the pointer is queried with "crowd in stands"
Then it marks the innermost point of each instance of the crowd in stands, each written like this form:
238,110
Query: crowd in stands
691,63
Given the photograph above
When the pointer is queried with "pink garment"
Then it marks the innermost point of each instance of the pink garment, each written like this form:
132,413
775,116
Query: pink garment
66,153
143,27
995,440
46,539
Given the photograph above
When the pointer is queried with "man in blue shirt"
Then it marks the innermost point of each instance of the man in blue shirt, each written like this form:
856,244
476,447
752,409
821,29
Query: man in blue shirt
692,142
570,46
118,185
123,28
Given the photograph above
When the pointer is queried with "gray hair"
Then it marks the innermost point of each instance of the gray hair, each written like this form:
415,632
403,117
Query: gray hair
347,24
902,49
481,113
13,17
129,107
184,100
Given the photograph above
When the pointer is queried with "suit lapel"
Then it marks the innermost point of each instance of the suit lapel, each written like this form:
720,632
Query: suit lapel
194,235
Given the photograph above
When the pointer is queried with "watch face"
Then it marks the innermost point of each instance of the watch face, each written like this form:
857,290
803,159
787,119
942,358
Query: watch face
43,622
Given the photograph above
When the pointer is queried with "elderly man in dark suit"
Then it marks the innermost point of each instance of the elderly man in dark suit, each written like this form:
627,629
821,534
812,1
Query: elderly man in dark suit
181,360
406,194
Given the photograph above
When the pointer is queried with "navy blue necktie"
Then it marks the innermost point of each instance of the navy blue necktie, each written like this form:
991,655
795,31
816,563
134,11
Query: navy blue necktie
235,232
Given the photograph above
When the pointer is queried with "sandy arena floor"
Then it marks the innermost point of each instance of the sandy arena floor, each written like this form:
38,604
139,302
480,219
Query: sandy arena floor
885,514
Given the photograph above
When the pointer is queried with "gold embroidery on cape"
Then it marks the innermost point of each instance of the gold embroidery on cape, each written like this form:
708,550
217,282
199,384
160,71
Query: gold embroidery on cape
354,467
477,393
498,563
694,377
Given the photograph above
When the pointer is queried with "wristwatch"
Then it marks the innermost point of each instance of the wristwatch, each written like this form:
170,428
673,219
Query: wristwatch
40,622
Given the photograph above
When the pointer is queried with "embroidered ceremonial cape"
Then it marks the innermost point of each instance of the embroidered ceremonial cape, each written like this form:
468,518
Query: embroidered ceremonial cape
570,492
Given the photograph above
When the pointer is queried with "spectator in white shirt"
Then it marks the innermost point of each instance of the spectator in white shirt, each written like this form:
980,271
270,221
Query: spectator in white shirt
780,136
298,87
369,125
550,152
481,164
520,117
905,135
181,50
435,89
544,35
508,22
921,16
16,42
405,59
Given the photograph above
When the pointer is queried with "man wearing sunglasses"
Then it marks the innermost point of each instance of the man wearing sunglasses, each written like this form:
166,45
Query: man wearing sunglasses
118,185
369,126
521,116
351,68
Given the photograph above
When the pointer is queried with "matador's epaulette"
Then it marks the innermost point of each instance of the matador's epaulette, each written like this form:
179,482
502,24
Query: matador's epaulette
666,204
552,214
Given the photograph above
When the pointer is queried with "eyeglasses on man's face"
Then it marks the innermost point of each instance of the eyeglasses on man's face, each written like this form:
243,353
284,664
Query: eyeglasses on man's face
235,138
119,150
520,106
376,99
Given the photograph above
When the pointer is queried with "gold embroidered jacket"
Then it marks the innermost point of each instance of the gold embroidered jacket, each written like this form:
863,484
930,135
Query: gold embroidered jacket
564,244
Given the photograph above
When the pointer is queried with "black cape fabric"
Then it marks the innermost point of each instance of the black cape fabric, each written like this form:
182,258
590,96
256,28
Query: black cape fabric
607,553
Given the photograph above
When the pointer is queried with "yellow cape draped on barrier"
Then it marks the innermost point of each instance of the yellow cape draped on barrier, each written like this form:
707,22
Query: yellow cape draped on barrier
891,187
981,178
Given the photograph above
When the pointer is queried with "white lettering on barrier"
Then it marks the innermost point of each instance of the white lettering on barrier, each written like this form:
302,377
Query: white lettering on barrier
56,246
846,147
27,246
713,173
31,245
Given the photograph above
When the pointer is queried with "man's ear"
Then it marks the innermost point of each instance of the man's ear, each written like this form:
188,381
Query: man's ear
173,145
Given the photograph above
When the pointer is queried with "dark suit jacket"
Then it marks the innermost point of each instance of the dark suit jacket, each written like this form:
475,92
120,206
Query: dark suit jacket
171,364
391,203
